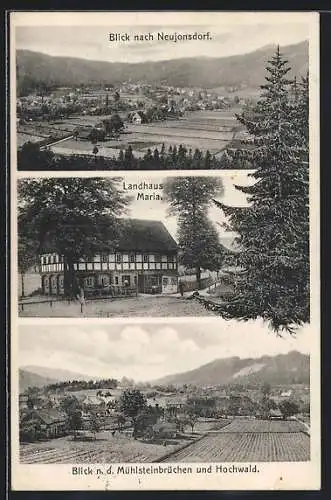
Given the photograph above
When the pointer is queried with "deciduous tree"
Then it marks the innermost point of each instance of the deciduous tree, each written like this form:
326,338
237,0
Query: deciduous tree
132,403
289,408
75,217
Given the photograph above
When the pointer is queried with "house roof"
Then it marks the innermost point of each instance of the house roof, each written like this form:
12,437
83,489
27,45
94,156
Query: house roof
138,235
146,236
50,415
275,413
84,134
93,400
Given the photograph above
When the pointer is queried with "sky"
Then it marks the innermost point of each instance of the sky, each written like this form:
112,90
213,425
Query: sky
229,36
158,210
146,352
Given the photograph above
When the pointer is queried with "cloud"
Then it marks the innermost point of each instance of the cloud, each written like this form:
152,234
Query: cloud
92,42
150,351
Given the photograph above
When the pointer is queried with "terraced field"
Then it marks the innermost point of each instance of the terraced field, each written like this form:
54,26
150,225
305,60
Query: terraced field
210,130
246,447
249,441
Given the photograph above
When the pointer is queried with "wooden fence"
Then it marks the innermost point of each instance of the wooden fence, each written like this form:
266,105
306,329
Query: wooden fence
111,292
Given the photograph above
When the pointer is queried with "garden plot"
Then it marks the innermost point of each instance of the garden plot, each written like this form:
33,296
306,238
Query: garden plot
105,449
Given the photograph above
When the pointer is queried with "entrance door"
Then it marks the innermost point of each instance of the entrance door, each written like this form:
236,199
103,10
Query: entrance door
141,283
126,278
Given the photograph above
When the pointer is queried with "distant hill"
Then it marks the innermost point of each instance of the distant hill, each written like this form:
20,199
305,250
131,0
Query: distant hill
207,72
29,379
56,374
281,369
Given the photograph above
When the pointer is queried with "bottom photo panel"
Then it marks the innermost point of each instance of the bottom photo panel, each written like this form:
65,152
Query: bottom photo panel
232,396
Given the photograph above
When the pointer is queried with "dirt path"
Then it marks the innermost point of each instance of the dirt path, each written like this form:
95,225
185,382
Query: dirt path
154,306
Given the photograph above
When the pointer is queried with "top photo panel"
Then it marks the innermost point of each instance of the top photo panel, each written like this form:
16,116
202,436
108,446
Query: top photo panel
151,91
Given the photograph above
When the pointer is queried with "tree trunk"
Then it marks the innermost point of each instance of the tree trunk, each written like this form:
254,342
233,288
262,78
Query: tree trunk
22,285
198,276
135,429
68,277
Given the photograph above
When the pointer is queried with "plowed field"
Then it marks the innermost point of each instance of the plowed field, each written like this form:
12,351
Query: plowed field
247,447
264,426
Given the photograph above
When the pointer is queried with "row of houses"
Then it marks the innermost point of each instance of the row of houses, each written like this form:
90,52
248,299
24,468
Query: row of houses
49,423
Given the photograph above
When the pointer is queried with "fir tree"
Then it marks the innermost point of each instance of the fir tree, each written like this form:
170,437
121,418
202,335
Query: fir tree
174,154
197,159
226,160
273,231
148,160
189,199
181,157
156,158
207,160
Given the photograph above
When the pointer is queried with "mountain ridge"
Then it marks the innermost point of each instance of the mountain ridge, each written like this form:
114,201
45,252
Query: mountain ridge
39,376
244,69
29,379
282,369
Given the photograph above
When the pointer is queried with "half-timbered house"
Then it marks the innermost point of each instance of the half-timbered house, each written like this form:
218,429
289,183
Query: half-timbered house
145,258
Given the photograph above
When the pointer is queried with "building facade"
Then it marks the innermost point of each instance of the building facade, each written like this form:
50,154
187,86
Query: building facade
145,259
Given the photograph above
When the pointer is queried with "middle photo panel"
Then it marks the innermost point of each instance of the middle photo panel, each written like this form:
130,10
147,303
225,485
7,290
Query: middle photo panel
159,246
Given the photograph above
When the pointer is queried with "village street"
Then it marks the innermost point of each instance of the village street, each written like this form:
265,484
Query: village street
143,305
